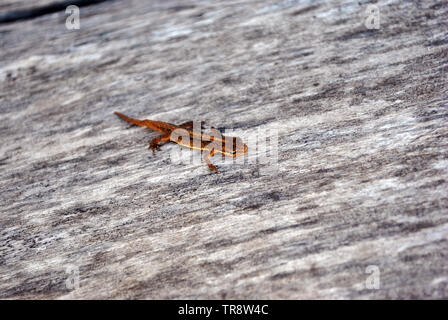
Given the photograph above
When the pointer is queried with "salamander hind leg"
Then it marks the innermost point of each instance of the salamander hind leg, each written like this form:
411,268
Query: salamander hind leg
157,142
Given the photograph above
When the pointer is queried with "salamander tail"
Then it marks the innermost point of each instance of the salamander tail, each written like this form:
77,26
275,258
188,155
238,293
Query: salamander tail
140,123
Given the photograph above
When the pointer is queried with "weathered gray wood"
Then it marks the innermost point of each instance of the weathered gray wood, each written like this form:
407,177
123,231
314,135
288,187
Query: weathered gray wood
362,164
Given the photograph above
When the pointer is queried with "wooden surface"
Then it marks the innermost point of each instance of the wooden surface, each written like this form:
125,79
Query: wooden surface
359,190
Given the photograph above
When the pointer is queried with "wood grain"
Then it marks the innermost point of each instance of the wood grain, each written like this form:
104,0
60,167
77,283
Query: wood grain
361,179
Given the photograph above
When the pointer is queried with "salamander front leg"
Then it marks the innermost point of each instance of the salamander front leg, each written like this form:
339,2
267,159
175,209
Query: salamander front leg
210,152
